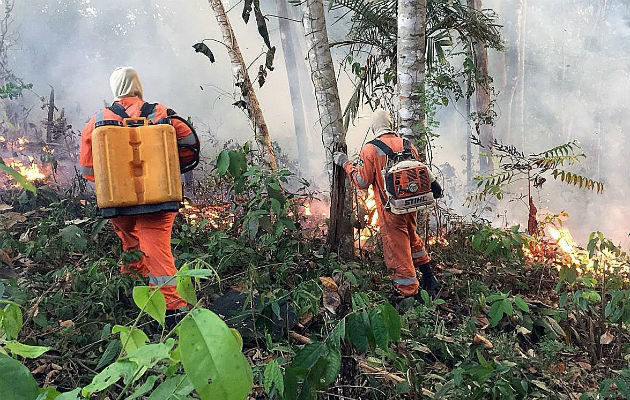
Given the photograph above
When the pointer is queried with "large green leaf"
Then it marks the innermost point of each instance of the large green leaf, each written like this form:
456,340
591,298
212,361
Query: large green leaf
379,330
355,330
21,180
149,355
12,321
130,339
24,350
212,358
223,162
73,237
308,356
175,387
143,389
273,377
16,381
392,321
152,301
111,375
71,395
185,287
333,365
111,352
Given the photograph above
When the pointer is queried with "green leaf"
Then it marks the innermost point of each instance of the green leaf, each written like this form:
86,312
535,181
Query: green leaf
151,300
379,330
12,321
212,358
143,389
111,352
223,162
507,307
238,337
338,332
392,321
21,180
521,304
71,395
496,313
355,331
273,377
16,381
238,163
24,350
175,387
308,356
288,223
425,297
185,287
150,354
72,236
109,376
130,339
196,273
333,366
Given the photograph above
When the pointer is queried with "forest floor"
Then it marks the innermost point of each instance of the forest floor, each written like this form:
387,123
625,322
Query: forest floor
503,325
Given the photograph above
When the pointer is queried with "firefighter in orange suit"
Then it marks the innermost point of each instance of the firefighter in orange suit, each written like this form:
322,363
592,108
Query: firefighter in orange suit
150,233
403,249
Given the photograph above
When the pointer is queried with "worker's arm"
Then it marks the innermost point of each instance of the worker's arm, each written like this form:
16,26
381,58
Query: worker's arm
184,136
361,174
85,156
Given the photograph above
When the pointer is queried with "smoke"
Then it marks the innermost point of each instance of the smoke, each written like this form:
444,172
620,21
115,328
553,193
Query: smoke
74,45
577,81
577,85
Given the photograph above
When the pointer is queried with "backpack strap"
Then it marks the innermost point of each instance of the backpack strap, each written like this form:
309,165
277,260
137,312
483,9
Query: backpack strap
147,110
119,110
384,148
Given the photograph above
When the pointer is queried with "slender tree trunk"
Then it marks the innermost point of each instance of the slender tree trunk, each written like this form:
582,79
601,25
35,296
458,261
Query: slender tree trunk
241,76
50,123
289,49
482,100
329,107
412,19
522,18
469,173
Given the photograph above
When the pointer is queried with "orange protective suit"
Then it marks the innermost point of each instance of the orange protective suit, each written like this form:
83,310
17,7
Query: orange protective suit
403,249
150,233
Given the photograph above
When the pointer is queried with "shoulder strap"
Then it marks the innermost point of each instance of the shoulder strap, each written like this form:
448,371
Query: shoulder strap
384,148
119,110
147,109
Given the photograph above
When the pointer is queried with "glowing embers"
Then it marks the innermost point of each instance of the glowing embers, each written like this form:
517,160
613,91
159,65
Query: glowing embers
212,217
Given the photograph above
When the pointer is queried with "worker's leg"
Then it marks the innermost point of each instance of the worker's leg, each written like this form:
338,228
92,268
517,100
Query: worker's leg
420,256
155,241
125,228
397,252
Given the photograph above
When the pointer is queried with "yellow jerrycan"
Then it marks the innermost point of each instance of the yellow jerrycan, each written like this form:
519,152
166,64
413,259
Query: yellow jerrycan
136,168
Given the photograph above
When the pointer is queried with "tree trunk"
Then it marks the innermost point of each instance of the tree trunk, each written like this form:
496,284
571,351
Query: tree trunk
290,61
412,19
329,107
482,101
241,76
50,121
522,19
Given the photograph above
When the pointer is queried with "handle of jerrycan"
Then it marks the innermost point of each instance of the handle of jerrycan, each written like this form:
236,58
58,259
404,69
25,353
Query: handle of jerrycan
137,121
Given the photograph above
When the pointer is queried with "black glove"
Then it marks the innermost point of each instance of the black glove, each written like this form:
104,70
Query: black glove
436,189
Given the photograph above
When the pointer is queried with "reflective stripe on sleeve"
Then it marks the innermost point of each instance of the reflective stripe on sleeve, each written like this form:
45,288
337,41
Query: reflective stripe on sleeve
187,140
162,280
405,281
419,254
360,181
87,171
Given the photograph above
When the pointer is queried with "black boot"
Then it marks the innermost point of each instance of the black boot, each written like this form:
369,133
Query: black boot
429,281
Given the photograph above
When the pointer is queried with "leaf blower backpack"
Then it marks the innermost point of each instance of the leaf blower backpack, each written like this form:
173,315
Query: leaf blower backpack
407,180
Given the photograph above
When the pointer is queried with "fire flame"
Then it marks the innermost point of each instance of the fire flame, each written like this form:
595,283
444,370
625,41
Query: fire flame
31,170
561,250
